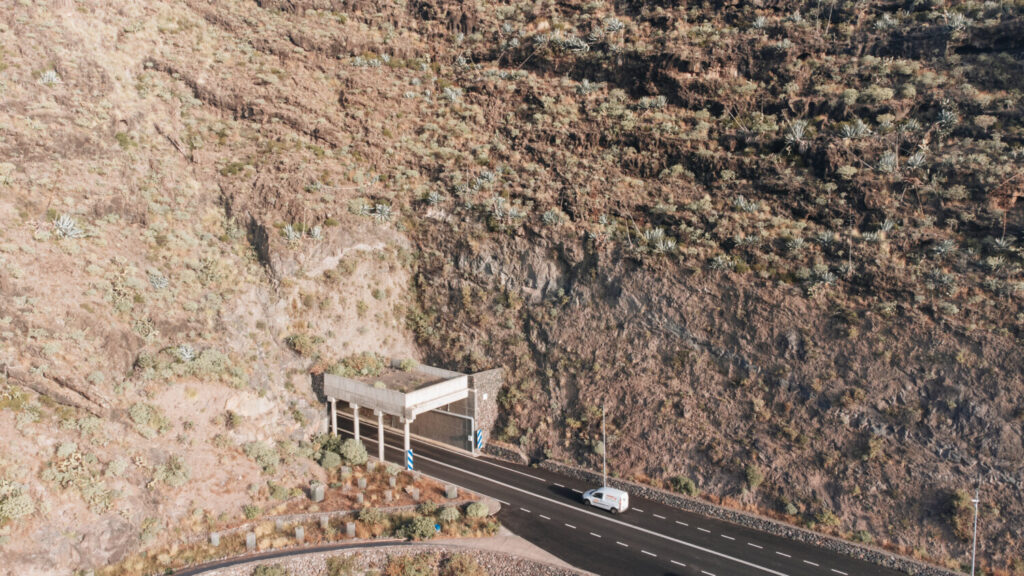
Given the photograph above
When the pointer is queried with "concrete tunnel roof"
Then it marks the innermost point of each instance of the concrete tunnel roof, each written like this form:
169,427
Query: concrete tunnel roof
441,387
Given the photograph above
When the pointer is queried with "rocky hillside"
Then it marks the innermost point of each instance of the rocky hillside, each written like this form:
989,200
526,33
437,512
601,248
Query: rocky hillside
779,241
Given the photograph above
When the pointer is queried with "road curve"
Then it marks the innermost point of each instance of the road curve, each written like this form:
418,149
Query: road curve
651,538
286,553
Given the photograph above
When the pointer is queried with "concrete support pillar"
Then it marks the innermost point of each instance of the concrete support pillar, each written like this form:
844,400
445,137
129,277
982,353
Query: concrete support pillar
380,435
355,421
407,454
334,416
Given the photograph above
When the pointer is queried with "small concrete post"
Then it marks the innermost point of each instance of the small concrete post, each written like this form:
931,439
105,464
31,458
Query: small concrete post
350,529
316,492
250,541
334,416
279,525
415,493
392,481
300,534
387,496
380,435
346,471
359,498
361,483
451,492
325,523
355,421
371,466
215,539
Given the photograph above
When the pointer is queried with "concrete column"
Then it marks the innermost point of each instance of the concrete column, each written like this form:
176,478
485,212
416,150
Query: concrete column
334,416
380,435
355,421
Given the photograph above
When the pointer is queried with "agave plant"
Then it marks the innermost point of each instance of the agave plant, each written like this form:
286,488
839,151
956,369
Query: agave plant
434,198
855,129
382,213
66,227
185,352
796,134
49,78
613,24
658,241
888,163
316,233
158,281
291,234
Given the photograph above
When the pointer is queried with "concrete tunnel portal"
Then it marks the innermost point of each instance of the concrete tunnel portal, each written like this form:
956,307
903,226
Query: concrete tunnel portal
440,405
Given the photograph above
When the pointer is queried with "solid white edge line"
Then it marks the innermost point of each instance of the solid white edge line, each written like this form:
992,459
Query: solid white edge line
678,563
811,563
605,518
649,553
659,516
755,545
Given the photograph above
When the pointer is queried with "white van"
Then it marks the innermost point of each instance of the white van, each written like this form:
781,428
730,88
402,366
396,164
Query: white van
611,499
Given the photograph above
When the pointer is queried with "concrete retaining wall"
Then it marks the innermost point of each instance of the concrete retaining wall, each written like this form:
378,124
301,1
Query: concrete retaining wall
866,553
484,388
447,428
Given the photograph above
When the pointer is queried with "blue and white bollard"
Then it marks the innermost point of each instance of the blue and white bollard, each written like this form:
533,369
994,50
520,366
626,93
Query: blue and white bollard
479,438
408,460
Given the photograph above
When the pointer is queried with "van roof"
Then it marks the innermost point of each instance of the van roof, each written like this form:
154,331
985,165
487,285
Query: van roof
613,491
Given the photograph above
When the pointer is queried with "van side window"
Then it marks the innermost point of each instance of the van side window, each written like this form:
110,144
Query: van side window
598,495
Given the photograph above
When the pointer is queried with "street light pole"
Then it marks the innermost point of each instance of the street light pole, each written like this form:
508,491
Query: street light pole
974,547
604,453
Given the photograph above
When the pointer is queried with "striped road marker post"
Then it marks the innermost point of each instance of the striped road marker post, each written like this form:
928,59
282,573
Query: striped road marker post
408,459
479,438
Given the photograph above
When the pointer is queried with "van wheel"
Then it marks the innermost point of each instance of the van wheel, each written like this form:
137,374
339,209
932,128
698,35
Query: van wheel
614,510
586,502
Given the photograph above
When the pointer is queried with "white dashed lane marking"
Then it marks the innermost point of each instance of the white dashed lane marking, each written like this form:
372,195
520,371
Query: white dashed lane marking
755,545
524,509
559,485
649,553
811,563
595,535
659,516
682,523
840,572
782,554
678,563
571,526
703,529
638,510
576,491
727,537
708,573
544,517
621,544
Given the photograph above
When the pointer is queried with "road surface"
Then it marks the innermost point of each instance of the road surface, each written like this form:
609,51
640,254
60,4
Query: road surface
650,538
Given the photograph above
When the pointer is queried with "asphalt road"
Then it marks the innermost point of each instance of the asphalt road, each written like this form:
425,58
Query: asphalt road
650,538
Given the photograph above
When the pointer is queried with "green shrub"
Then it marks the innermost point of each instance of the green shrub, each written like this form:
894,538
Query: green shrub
462,565
342,565
14,502
449,514
353,452
330,460
264,455
371,516
148,420
754,476
251,511
418,528
270,570
427,508
175,472
362,364
684,485
477,510
304,345
409,565
827,517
